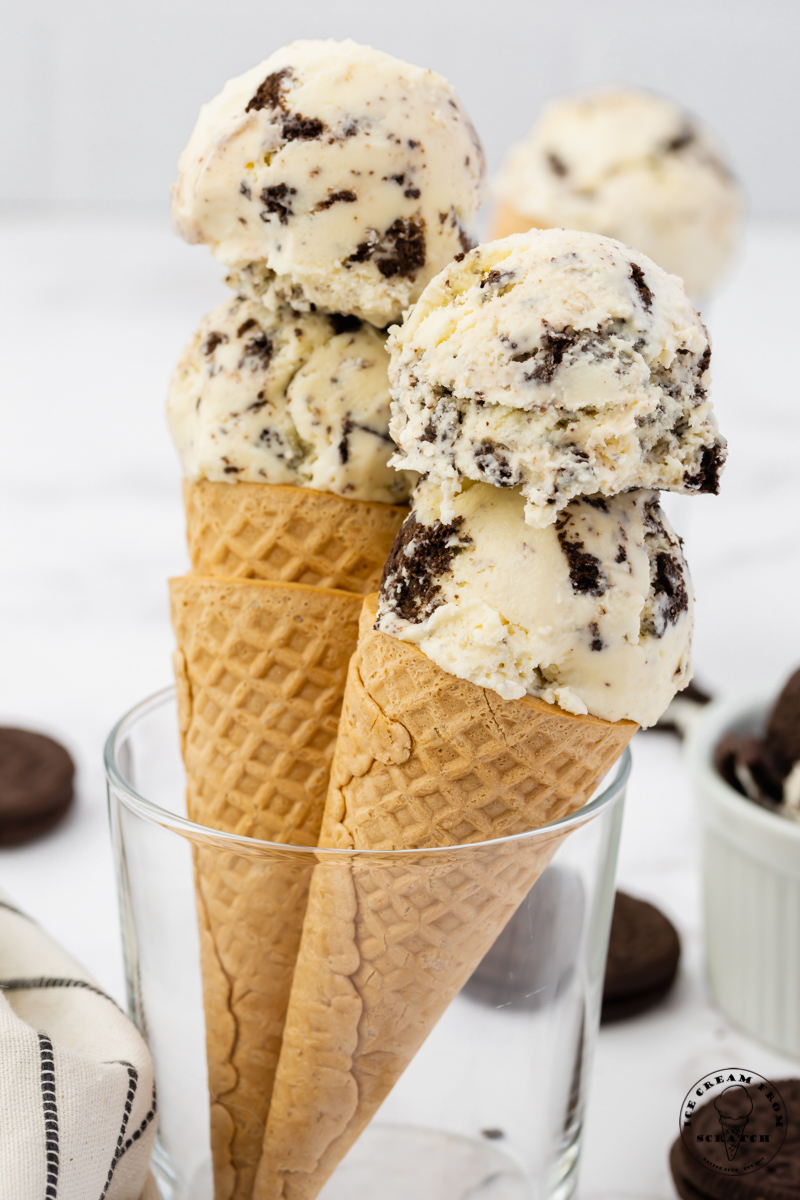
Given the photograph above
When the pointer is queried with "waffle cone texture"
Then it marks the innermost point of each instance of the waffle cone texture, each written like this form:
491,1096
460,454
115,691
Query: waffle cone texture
423,761
508,220
282,534
265,627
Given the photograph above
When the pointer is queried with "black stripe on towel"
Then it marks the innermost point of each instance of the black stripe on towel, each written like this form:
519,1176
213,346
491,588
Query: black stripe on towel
14,909
119,1149
50,1111
137,1133
26,985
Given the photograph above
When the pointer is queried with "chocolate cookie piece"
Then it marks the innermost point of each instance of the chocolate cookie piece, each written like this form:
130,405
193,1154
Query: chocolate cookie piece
36,784
747,765
534,957
778,1179
783,730
682,711
643,954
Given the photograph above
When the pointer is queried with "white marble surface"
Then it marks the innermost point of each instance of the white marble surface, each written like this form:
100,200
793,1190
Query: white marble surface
93,313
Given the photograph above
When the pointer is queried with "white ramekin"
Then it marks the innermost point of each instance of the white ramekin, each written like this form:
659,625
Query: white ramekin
751,885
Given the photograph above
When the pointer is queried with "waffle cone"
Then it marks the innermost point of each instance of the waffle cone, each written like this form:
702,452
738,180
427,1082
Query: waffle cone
423,759
508,220
284,534
261,670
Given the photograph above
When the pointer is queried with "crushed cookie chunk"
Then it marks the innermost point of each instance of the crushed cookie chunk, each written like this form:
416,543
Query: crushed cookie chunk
399,250
269,94
669,583
557,165
639,282
276,199
681,140
585,573
420,555
213,340
501,278
494,465
297,128
464,240
707,477
259,350
556,343
339,196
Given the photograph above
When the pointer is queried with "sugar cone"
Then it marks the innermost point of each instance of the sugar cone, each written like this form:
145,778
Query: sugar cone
288,535
261,670
508,220
259,714
422,759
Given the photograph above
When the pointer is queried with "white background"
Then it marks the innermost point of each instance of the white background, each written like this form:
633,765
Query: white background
98,96
97,298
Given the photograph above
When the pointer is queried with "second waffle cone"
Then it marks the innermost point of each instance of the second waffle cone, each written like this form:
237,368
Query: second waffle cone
265,627
422,760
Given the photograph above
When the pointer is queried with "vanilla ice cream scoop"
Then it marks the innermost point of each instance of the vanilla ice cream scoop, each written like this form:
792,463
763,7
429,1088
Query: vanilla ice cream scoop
563,363
286,398
332,176
593,613
634,166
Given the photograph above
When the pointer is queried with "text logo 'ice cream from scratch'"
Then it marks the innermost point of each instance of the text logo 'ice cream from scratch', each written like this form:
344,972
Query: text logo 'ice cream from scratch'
733,1121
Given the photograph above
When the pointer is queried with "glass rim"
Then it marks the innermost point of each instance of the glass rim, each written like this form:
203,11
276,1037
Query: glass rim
154,813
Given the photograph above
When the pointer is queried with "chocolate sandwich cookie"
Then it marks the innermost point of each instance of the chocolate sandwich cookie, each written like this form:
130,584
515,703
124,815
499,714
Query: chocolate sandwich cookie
778,1179
534,957
682,711
643,954
36,785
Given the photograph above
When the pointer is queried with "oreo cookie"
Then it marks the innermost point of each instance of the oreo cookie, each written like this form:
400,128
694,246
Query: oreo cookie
643,955
682,711
534,958
777,1179
36,785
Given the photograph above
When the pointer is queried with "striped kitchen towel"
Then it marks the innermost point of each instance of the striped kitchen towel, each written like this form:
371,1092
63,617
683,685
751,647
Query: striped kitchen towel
77,1097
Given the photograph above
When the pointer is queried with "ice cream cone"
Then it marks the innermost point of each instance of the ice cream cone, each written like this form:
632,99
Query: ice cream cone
508,220
284,534
261,670
733,1129
422,759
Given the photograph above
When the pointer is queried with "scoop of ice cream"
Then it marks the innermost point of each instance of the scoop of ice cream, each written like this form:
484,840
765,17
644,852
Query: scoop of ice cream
734,1103
593,613
561,362
332,175
631,165
281,397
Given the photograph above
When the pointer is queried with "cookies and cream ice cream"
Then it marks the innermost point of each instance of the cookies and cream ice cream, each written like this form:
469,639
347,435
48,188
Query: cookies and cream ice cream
560,362
633,166
332,176
279,397
593,613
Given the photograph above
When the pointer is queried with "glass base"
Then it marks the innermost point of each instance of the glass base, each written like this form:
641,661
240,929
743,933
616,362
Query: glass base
395,1162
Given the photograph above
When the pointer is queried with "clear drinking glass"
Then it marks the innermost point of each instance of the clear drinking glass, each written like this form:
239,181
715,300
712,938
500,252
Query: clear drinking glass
492,1104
